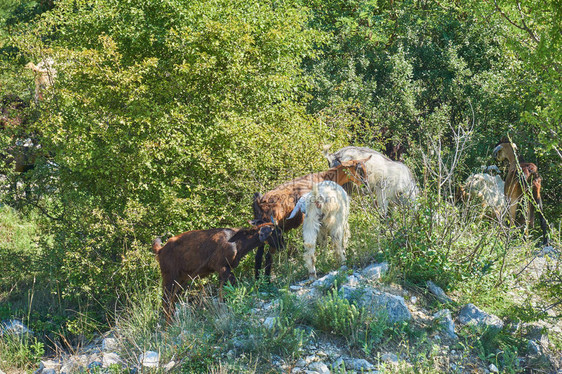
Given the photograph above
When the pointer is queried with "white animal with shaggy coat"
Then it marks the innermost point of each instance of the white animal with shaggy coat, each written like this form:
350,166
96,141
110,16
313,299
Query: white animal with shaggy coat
391,181
488,189
326,210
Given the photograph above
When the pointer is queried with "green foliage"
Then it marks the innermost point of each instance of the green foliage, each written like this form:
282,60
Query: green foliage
20,351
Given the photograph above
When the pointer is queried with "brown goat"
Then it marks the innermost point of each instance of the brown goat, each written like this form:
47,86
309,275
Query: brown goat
280,202
196,254
520,177
45,75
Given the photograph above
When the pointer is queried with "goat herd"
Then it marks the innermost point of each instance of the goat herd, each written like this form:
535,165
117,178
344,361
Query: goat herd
320,203
316,200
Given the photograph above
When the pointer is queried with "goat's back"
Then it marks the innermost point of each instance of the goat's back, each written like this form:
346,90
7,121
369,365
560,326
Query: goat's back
196,253
382,172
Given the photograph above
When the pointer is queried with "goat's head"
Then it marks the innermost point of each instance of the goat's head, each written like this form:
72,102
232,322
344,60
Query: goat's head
269,232
504,150
355,170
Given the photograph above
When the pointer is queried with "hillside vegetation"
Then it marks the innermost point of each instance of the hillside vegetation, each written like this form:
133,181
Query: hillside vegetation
166,116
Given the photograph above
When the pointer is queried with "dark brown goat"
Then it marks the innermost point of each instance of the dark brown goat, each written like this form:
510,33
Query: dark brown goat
196,254
280,202
520,178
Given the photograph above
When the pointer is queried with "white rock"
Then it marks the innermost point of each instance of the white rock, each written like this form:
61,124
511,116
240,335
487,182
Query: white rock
359,365
319,367
111,358
270,322
379,302
375,271
493,368
390,358
169,366
14,326
471,315
149,359
326,281
446,324
109,345
438,292
352,280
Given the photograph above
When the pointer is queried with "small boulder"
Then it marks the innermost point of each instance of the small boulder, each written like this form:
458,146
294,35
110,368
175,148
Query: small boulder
149,359
376,301
375,271
15,327
270,322
109,345
326,281
111,358
438,292
471,315
319,367
446,324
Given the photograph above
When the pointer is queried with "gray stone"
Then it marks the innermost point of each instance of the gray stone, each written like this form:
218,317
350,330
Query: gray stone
15,327
389,358
109,345
308,294
493,368
40,369
359,364
379,302
169,366
95,364
446,324
352,280
149,359
438,292
375,271
49,371
326,281
471,315
71,365
319,367
533,348
111,358
270,322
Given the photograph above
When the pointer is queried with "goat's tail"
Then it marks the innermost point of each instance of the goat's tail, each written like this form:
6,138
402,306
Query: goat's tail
157,245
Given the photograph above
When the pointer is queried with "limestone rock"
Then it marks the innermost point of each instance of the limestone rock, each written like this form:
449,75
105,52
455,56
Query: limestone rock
438,292
471,315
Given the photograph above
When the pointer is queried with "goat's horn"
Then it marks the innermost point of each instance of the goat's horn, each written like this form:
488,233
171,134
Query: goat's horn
496,150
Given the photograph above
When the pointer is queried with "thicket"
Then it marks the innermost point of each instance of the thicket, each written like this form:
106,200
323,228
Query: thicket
167,115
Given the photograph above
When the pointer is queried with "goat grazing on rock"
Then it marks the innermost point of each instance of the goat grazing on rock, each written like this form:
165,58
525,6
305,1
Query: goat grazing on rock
196,254
392,181
326,210
487,188
280,202
521,177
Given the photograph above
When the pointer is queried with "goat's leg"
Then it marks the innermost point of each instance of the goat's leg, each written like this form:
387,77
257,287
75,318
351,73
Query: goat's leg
225,274
337,238
258,259
544,225
310,259
268,262
169,295
310,234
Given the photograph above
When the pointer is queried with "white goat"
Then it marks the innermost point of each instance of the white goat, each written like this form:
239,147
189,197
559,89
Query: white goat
326,210
392,181
488,189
